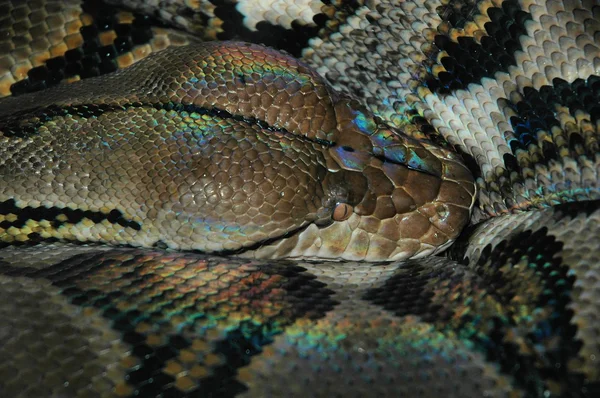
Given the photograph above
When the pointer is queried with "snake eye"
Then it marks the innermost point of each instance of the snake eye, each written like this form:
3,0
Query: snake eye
342,212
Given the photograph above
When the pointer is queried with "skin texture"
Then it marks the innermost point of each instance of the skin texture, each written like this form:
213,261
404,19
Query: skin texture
224,147
511,310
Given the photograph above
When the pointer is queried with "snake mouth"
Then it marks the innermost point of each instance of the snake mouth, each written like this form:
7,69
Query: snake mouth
361,239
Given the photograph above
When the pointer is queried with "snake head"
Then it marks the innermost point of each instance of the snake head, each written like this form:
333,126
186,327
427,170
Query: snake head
391,197
228,148
414,201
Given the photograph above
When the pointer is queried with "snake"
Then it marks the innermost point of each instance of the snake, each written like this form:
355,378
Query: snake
303,198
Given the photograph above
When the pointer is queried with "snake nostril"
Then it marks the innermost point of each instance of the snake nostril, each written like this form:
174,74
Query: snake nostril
348,149
342,212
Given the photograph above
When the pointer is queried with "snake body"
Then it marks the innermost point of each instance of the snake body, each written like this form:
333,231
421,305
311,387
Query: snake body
401,120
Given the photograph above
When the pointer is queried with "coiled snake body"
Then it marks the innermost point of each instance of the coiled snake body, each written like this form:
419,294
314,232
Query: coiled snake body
148,216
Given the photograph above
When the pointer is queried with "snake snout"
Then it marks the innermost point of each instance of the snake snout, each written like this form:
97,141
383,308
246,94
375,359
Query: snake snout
397,212
395,197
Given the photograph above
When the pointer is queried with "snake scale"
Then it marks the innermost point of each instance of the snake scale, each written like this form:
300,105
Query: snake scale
387,198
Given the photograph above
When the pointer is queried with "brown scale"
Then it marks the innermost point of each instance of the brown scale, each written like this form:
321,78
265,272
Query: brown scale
222,147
